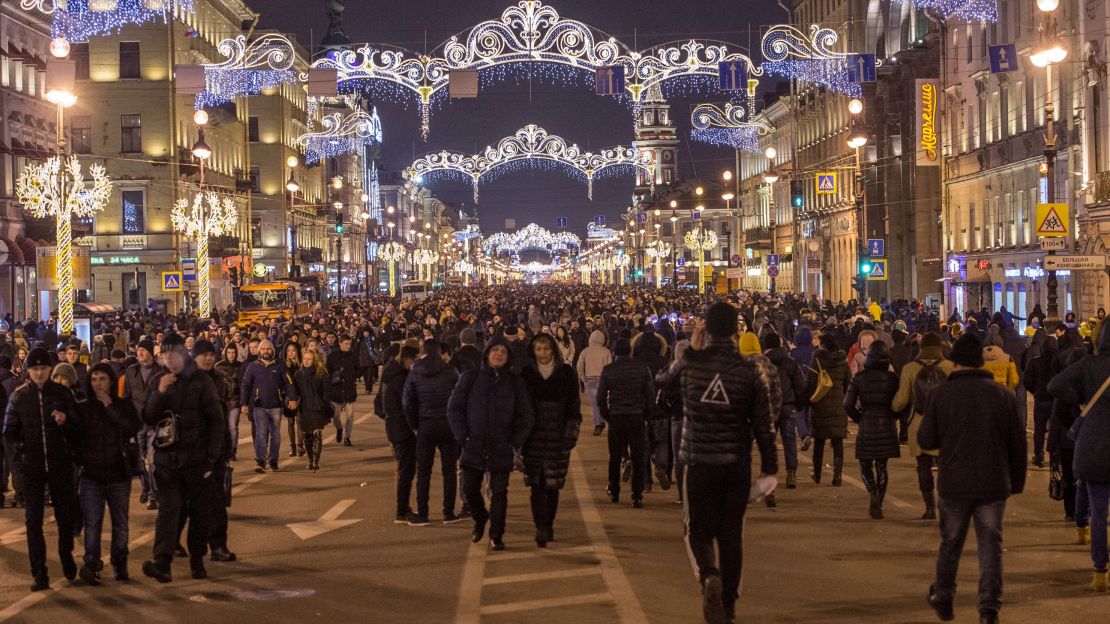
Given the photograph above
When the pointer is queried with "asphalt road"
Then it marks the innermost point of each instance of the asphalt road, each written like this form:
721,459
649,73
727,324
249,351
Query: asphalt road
816,558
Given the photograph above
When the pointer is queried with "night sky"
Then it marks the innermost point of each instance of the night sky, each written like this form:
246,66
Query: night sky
572,112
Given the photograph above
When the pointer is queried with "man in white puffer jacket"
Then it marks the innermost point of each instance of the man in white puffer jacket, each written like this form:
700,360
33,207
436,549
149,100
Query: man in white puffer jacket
594,358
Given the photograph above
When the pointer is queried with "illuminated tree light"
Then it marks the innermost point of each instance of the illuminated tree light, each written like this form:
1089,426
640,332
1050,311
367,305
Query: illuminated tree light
700,240
78,20
392,253
248,68
657,249
531,143
208,214
46,190
341,135
425,261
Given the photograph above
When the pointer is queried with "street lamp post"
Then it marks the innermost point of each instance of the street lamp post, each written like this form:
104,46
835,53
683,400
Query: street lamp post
392,253
293,244
700,239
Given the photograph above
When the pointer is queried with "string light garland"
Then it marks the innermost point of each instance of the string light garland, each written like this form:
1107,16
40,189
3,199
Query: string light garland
49,189
789,53
342,135
969,10
248,68
530,143
531,237
78,20
208,214
375,207
425,260
728,126
528,33
392,253
466,268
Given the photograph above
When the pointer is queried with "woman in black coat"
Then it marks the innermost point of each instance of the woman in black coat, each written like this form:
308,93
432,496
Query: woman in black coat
313,403
868,402
553,386
296,432
827,416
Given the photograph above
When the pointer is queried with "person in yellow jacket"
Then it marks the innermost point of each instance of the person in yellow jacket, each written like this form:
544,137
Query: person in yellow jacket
875,311
999,363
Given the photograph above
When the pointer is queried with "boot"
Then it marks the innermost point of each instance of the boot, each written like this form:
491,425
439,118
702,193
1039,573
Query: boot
817,473
838,470
868,478
930,506
1083,536
791,479
880,491
1099,582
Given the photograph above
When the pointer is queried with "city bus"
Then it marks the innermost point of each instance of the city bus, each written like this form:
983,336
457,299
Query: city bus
272,300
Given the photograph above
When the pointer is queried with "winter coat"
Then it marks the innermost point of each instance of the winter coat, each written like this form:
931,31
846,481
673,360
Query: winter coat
102,434
490,414
427,390
975,425
792,382
231,377
828,416
647,351
900,355
1077,384
264,385
593,358
868,401
626,391
558,418
904,398
1038,371
725,402
201,425
344,373
40,444
312,393
1001,366
803,352
467,357
135,389
391,388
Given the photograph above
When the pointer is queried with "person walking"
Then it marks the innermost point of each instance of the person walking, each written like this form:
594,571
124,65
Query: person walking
868,402
230,370
827,414
397,429
137,388
343,369
1085,383
974,423
553,386
311,399
106,424
289,367
40,418
1035,378
217,494
491,416
427,390
625,395
792,386
726,404
591,361
263,395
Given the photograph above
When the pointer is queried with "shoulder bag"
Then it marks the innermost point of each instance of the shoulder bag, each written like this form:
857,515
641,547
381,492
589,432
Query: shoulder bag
824,384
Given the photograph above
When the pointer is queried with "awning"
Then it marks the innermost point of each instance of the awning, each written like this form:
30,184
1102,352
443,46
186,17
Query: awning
92,307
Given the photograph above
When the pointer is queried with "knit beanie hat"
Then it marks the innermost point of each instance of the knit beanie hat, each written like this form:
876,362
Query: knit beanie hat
37,357
622,347
968,351
749,344
467,337
67,372
720,320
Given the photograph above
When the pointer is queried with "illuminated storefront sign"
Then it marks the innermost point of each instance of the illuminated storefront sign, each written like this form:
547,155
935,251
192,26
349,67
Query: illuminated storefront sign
927,123
100,260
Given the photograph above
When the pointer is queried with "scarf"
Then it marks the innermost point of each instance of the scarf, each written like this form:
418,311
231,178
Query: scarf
546,370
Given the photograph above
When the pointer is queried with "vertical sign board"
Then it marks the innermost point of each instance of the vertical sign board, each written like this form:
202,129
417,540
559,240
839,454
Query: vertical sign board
561,223
1004,58
861,67
599,220
877,247
926,99
610,80
826,183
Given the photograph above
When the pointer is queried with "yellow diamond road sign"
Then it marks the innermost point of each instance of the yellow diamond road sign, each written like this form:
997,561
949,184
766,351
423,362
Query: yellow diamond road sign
1052,220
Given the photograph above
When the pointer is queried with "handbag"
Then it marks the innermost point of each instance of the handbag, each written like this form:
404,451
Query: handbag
133,457
1056,485
1073,431
824,384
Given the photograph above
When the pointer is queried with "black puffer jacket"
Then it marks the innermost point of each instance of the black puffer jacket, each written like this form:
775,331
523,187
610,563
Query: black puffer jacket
427,390
490,414
792,381
1077,385
29,427
726,402
201,428
558,418
1038,371
231,376
874,389
626,390
392,386
312,392
827,415
343,367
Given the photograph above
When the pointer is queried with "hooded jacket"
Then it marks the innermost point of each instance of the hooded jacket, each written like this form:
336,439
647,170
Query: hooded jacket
803,352
626,391
1001,366
594,358
490,414
427,389
201,426
792,383
1077,385
264,385
868,402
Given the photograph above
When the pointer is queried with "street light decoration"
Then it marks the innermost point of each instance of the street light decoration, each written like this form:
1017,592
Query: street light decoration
342,135
392,252
531,237
658,250
969,10
729,126
790,53
529,145
700,240
247,69
208,214
78,20
49,189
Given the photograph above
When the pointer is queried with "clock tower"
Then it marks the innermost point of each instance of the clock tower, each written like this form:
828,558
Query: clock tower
656,136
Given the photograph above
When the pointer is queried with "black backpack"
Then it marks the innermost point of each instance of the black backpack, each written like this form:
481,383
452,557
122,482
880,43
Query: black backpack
929,378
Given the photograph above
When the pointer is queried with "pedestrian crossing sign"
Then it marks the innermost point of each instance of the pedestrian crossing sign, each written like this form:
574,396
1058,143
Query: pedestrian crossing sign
826,183
171,281
1052,220
878,271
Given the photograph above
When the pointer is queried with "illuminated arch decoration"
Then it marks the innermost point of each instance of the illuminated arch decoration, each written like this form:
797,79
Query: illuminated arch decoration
728,126
78,20
792,54
970,10
530,145
529,32
342,135
531,237
247,68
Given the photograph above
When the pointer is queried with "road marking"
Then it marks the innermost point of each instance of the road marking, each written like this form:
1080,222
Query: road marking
540,552
540,576
328,522
548,603
468,609
628,606
897,502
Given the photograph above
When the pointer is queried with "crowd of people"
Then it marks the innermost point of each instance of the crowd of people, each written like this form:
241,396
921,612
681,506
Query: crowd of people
494,379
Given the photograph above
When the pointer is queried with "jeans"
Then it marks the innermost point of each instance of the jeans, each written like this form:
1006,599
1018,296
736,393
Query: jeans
591,396
1098,493
627,433
65,509
1042,410
405,454
1082,509
267,428
498,500
233,428
676,445
93,495
714,508
955,517
344,418
787,423
435,434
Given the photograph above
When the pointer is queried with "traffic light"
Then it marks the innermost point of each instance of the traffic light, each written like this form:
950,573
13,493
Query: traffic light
233,275
339,223
865,266
859,284
797,197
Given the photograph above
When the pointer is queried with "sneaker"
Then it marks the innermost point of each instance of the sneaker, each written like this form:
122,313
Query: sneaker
293,452
89,575
401,518
451,518
806,442
152,570
711,607
942,607
415,520
598,430
346,441
260,468
626,473
678,501
496,544
273,466
614,497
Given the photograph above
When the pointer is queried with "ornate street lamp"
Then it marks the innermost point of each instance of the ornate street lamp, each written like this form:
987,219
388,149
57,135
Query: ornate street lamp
700,240
658,250
210,214
392,253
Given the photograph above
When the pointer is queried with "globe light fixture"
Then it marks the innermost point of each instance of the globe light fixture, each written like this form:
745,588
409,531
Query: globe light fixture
771,153
855,106
59,47
1048,6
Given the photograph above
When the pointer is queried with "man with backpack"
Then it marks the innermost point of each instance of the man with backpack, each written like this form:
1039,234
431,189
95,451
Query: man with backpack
919,379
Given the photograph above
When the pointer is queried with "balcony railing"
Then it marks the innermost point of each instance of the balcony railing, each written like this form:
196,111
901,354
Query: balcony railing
758,237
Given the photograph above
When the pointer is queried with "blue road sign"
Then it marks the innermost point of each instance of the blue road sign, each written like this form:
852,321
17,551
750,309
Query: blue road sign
561,222
681,262
695,216
772,260
189,269
610,80
861,67
600,220
879,271
877,247
1004,58
733,75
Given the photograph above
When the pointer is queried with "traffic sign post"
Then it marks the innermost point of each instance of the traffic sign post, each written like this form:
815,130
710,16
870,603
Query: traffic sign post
1054,244
877,246
1004,58
561,222
733,75
189,270
861,67
773,271
1052,220
610,80
172,281
879,271
772,260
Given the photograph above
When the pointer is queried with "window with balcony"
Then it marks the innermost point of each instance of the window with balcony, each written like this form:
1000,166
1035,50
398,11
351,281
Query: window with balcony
129,65
133,217
80,134
79,54
131,133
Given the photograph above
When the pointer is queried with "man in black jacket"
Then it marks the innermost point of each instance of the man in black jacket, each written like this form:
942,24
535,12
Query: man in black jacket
343,368
424,400
136,388
727,403
625,394
467,356
186,404
974,423
204,352
397,430
40,418
792,382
